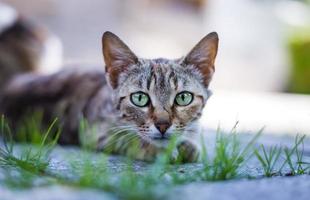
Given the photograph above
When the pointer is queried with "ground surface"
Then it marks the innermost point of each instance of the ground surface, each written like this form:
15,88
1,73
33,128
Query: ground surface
281,188
275,188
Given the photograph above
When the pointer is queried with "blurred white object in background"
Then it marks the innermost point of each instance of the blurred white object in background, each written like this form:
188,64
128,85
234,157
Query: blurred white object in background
52,56
253,58
252,53
293,13
278,113
161,28
7,16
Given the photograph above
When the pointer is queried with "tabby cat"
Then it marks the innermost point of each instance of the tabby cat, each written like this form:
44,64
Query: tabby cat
155,99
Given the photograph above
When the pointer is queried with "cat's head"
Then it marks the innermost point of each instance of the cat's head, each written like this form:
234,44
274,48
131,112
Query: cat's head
160,97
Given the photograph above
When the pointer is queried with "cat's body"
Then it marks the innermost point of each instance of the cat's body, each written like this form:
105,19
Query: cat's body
69,95
153,98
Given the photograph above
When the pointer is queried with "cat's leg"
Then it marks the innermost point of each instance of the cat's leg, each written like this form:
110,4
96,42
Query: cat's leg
140,149
188,152
128,145
185,152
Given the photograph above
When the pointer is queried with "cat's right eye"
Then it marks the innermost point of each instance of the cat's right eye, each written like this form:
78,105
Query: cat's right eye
139,99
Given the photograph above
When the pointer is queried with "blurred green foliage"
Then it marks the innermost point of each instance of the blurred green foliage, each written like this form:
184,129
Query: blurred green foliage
299,49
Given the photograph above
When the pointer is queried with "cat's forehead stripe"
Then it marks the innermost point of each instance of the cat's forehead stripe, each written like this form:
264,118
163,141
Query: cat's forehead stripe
161,74
148,85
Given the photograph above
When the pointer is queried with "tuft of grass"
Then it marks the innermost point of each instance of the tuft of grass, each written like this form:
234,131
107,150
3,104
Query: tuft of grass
293,159
229,157
34,160
226,162
297,166
87,135
30,129
269,159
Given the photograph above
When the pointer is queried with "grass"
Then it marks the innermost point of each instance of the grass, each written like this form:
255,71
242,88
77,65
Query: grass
34,159
297,166
21,170
30,129
293,159
269,159
229,158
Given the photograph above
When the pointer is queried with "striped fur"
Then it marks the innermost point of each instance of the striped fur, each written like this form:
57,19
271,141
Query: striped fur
104,99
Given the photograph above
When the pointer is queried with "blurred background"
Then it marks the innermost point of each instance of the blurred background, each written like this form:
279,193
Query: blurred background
263,66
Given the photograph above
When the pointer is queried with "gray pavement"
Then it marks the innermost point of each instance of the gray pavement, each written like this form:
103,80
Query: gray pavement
282,188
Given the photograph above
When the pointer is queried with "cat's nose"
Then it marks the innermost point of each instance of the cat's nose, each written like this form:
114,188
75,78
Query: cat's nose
162,126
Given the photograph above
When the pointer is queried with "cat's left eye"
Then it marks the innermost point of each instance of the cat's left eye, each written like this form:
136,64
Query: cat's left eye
140,99
184,98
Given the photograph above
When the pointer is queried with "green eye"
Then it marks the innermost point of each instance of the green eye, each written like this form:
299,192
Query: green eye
139,99
184,98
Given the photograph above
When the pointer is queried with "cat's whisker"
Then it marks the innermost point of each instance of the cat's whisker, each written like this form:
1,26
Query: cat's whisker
120,132
109,146
124,133
121,127
111,140
131,139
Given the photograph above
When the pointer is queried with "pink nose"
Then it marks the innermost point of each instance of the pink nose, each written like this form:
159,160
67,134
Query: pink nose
162,126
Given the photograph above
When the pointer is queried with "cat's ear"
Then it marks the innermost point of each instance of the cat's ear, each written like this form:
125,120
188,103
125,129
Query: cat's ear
202,56
117,57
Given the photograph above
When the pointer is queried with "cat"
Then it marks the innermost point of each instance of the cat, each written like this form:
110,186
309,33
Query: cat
25,46
155,99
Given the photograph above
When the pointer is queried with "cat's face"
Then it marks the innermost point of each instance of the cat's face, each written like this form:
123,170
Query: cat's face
158,98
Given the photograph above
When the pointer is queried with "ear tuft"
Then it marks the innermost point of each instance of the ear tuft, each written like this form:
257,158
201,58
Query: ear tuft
117,56
203,55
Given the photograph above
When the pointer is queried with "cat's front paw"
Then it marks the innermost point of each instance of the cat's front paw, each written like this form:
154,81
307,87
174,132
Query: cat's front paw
187,152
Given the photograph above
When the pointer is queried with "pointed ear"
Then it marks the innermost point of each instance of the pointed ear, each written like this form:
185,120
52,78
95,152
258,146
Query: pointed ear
202,56
117,57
